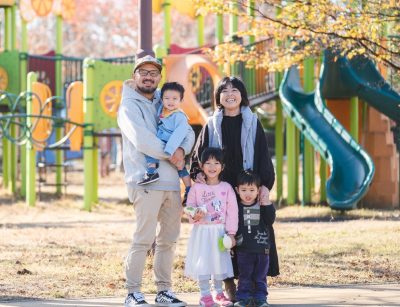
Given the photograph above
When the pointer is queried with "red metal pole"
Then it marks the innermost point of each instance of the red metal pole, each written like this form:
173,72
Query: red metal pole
145,39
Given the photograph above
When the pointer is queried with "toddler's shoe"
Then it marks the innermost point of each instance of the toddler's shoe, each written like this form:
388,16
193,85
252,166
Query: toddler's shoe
148,178
207,301
222,300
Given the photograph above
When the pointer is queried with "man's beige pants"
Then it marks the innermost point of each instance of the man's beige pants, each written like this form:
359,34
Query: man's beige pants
152,207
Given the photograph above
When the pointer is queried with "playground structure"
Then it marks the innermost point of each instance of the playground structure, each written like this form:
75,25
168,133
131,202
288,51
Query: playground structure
88,93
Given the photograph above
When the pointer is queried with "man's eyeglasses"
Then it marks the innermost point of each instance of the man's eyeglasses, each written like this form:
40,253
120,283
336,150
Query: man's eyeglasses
145,72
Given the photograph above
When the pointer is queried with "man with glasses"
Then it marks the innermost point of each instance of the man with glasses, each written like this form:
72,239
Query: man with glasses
155,203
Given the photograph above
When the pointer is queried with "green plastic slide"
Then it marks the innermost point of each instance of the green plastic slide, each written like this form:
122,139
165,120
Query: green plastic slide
351,167
346,78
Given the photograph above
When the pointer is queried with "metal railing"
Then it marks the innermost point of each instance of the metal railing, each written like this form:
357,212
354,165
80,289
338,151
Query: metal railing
259,82
72,67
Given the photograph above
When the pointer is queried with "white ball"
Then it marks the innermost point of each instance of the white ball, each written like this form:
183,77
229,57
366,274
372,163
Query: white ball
227,241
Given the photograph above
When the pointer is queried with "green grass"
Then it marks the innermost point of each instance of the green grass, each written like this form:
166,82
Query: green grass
73,253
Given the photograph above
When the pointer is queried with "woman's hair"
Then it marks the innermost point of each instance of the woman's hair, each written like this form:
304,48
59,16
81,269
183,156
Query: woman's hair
248,177
173,86
212,152
236,83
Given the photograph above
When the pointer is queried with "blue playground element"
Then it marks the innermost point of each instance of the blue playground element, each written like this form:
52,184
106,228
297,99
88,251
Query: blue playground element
49,156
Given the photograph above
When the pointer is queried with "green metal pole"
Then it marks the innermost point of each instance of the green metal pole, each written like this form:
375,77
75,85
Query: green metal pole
219,34
297,165
30,151
6,158
167,24
233,28
13,10
251,72
59,93
291,160
88,141
354,117
323,174
279,131
200,30
323,167
23,64
95,172
308,155
219,29
7,29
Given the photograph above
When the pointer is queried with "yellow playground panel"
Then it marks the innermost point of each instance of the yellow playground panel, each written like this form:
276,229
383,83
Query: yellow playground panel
183,7
3,79
7,2
110,97
41,106
74,100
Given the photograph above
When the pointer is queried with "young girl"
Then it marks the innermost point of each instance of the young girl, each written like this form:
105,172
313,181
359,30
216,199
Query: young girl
216,214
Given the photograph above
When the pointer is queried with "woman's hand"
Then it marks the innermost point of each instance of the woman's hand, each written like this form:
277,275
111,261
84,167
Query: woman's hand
263,196
200,178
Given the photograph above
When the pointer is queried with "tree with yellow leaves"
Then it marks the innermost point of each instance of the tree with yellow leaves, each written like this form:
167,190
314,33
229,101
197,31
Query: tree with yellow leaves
307,27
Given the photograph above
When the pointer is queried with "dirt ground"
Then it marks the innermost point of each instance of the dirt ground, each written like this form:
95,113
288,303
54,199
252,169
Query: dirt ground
57,250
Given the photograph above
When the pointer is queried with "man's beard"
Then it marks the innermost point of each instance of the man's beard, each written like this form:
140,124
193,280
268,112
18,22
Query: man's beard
146,90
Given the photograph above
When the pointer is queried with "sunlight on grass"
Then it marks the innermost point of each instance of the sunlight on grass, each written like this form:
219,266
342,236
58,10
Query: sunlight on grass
56,250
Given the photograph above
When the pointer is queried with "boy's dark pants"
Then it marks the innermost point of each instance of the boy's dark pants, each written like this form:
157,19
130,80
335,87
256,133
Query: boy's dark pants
253,269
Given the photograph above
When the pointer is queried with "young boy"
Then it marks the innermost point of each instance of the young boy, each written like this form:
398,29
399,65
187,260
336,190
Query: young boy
253,254
172,129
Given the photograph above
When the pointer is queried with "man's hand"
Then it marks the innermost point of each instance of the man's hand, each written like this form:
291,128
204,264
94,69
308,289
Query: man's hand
263,196
178,158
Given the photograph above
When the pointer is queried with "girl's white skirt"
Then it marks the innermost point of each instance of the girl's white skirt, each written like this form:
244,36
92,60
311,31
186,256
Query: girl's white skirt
204,260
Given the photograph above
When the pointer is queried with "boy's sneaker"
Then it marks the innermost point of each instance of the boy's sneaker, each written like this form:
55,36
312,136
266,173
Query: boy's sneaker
261,303
243,303
207,301
222,300
148,178
168,298
135,299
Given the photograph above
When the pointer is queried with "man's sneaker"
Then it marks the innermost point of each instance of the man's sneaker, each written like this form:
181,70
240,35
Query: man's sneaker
222,300
261,303
148,178
168,298
207,301
135,299
243,303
